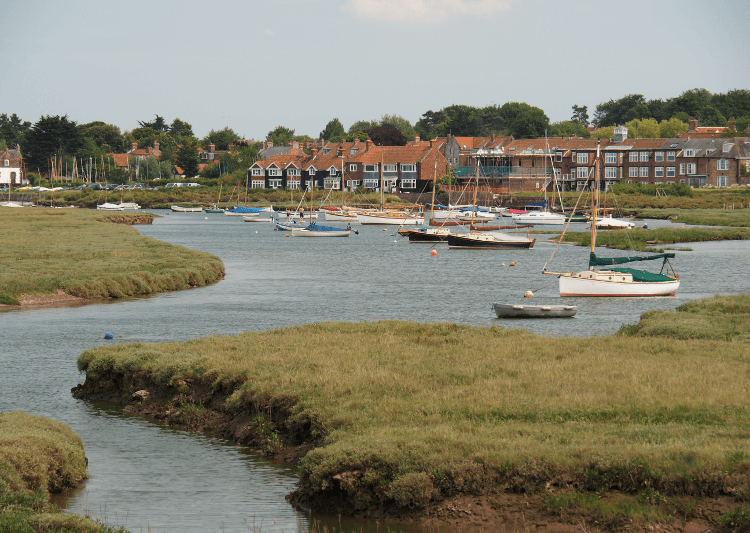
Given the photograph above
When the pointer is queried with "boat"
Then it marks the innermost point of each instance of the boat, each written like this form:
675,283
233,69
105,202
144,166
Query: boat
388,217
239,211
313,230
428,234
497,228
256,218
129,206
533,311
614,281
539,218
180,209
293,215
607,222
340,215
215,208
109,207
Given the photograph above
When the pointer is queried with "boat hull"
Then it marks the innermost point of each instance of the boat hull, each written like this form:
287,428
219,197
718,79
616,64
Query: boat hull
422,235
534,311
547,219
488,242
392,220
304,232
577,286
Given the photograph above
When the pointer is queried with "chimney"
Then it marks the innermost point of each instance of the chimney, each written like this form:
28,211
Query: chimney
269,143
432,143
156,145
212,147
134,146
416,139
368,145
295,145
314,152
493,137
340,151
693,125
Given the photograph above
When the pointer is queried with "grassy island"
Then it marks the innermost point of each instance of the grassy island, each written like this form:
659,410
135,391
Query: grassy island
651,239
404,419
83,254
39,456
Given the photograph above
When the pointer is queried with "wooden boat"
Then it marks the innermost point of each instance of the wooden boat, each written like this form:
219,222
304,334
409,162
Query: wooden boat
534,311
614,281
393,218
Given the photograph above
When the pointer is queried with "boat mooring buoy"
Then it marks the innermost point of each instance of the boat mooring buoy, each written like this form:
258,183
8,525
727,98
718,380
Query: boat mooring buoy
109,336
528,294
433,252
502,264
512,263
256,232
287,235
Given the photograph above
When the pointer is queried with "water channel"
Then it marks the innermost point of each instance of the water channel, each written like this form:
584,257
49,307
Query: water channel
152,478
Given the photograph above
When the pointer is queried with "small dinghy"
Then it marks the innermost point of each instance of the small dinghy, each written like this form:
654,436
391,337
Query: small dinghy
534,311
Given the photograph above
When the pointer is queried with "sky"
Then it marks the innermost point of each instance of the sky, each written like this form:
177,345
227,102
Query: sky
252,66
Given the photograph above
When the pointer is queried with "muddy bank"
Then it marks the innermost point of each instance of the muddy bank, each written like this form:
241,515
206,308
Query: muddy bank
59,298
510,504
130,219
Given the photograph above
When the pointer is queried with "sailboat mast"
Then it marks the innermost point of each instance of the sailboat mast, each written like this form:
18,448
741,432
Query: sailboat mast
434,182
343,183
474,203
595,206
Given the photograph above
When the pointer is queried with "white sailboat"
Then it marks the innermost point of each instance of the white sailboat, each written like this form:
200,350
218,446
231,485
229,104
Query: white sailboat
616,281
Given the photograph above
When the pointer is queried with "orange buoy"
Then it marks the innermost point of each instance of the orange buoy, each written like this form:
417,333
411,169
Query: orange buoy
513,263
287,235
528,294
502,264
433,252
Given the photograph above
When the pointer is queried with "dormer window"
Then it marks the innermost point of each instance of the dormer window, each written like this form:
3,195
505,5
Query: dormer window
353,151
389,168
726,147
353,167
6,162
689,152
326,151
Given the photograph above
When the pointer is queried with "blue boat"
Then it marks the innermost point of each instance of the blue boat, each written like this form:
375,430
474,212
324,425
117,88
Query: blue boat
313,230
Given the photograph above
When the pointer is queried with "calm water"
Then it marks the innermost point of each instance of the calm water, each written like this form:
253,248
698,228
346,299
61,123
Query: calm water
155,479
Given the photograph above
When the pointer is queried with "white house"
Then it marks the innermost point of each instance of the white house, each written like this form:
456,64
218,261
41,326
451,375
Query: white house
10,167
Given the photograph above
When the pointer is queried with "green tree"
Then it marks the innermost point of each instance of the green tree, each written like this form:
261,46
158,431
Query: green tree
463,120
187,158
362,125
568,128
157,124
432,124
401,124
670,128
12,129
51,137
643,128
281,136
580,115
490,120
734,104
334,128
606,132
180,129
524,121
107,137
620,111
221,139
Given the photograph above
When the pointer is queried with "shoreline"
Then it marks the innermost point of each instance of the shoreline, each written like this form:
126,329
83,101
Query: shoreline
59,298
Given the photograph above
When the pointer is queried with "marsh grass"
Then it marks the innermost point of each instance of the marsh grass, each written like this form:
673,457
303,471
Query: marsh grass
39,456
416,412
646,239
702,217
74,250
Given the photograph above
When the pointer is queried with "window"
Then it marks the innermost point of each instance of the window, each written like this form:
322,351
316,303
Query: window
633,172
274,172
6,162
658,156
722,181
326,151
408,184
408,168
256,172
353,151
332,183
691,168
610,173
293,184
583,172
371,168
352,183
292,172
573,156
353,167
610,158
725,148
583,158
644,156
558,156
644,172
659,172
670,156
371,183
723,164
389,168
682,169
311,171
670,172
633,156
689,152
258,184
274,184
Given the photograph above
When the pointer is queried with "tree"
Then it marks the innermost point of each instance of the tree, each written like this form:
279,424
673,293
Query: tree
401,124
617,112
734,104
12,129
524,121
568,128
580,115
107,137
386,136
463,120
334,128
606,132
280,136
180,129
432,124
643,128
670,128
490,120
157,124
362,125
220,139
187,158
51,137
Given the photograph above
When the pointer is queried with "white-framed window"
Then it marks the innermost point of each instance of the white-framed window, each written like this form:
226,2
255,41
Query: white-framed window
610,173
682,181
371,183
644,156
6,162
293,184
311,171
633,172
409,184
658,172
670,172
256,172
353,167
725,148
658,156
389,168
274,184
408,168
326,151
371,168
332,171
582,172
353,151
332,183
274,172
689,152
573,156
722,164
628,181
353,183
644,172
610,158
258,184
682,169
633,156
692,168
558,156
670,156
583,158
658,182
722,181
293,172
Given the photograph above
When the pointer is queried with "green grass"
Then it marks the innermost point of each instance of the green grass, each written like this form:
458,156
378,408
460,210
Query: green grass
650,239
407,413
76,251
702,217
39,456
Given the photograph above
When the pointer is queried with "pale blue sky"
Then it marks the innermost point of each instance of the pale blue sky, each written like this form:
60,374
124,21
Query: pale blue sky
299,63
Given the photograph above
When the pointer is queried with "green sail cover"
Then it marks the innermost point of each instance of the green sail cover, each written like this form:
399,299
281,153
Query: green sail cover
643,276
601,261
